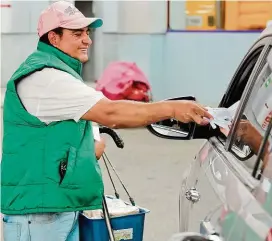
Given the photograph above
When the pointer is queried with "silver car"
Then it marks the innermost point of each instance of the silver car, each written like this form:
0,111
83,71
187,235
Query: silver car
232,172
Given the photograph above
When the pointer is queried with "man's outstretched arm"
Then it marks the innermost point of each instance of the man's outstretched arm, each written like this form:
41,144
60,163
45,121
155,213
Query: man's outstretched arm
129,114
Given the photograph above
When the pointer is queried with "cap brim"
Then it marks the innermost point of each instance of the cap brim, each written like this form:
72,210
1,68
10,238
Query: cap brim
83,22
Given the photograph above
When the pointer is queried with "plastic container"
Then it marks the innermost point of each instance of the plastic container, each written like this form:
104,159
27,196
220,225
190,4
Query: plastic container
129,227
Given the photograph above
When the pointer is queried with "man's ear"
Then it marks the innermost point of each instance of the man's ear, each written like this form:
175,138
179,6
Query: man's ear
53,38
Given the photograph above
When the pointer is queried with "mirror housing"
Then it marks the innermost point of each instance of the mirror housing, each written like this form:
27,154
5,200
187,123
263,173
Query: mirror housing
172,129
176,130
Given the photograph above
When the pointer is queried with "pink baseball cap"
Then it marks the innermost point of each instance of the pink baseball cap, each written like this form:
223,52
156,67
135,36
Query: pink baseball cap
66,15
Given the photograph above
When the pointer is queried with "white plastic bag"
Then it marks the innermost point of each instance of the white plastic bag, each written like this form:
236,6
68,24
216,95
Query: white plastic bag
116,208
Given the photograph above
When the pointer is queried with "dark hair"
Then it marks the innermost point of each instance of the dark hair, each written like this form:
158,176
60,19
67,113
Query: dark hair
44,38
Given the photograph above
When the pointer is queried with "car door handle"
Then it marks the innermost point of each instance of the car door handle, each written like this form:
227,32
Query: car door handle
192,195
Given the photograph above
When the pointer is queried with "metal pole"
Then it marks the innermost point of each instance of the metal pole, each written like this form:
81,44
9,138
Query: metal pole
107,219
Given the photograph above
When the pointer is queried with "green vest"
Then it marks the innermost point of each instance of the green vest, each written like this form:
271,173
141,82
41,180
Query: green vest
32,151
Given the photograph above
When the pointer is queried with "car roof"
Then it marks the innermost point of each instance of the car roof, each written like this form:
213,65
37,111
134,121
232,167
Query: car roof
266,32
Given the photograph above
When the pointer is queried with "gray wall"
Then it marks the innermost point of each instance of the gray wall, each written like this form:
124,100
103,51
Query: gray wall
180,63
176,63
14,49
199,64
18,34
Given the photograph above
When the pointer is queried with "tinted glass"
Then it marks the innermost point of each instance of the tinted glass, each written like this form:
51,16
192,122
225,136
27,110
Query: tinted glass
255,119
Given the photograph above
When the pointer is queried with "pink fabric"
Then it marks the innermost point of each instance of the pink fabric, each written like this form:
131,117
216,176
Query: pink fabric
118,78
64,14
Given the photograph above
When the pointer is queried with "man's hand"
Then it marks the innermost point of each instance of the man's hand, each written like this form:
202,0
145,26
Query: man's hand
190,111
99,148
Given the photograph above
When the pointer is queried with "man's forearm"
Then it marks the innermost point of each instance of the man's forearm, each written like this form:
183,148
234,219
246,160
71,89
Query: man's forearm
128,114
135,114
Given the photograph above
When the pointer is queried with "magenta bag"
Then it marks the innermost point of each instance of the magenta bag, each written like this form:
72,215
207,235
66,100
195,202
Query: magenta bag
124,80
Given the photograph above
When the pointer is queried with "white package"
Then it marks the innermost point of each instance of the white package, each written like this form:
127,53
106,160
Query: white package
223,117
116,208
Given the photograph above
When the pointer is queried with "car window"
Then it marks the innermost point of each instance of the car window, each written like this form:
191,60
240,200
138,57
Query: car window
256,116
238,84
241,78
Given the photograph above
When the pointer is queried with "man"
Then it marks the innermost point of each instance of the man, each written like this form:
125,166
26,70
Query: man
47,126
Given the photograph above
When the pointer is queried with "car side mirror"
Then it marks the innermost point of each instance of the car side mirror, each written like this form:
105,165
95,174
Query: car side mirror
176,130
171,128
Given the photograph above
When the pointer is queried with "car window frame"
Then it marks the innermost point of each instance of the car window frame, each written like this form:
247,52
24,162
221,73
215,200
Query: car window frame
247,93
227,99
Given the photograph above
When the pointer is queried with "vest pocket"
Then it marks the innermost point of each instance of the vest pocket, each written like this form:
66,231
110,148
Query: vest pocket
67,168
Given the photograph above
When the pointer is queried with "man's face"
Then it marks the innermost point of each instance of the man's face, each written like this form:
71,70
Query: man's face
74,43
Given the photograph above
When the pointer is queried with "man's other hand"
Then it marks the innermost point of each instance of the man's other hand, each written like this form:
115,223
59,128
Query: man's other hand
99,148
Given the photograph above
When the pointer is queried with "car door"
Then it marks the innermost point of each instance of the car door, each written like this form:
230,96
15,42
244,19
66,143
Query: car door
250,217
219,190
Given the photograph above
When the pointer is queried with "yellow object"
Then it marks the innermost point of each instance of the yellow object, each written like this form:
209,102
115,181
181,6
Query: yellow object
247,15
201,15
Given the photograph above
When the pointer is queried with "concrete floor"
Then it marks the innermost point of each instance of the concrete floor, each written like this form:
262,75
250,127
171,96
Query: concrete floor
152,169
